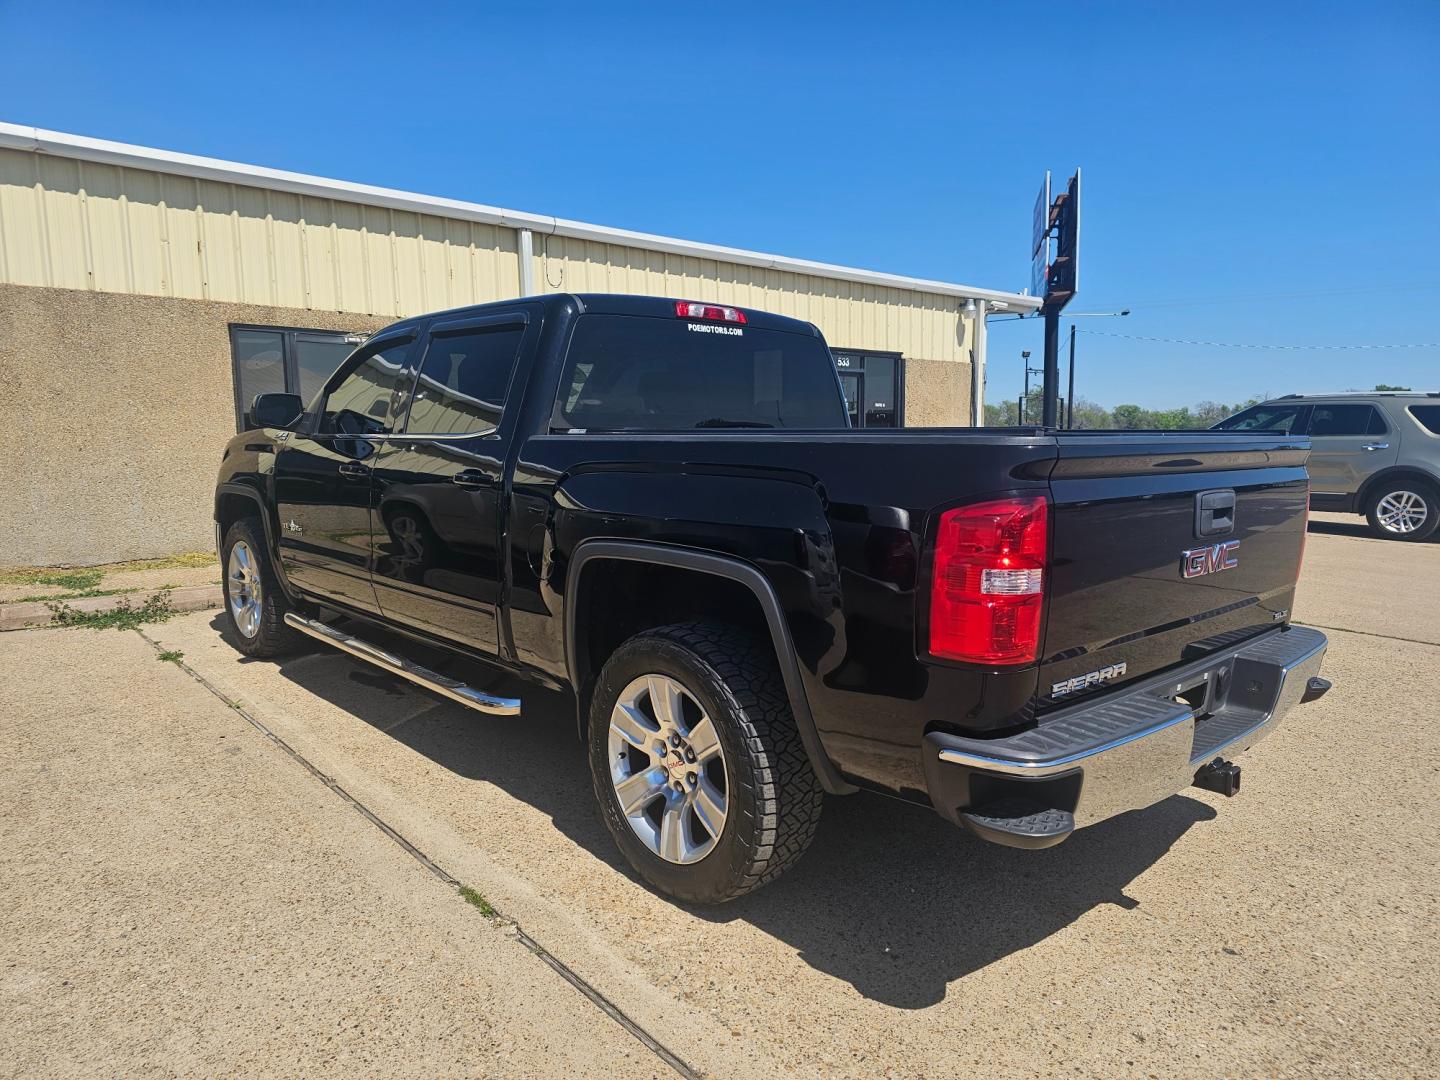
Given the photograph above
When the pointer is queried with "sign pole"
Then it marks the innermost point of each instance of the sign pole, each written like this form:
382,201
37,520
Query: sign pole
1049,416
1062,279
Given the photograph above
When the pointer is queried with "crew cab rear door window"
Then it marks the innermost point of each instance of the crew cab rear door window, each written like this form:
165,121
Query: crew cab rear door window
465,376
1346,419
636,373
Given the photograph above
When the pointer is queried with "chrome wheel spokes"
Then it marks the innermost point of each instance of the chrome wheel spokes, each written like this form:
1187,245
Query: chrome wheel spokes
242,589
668,769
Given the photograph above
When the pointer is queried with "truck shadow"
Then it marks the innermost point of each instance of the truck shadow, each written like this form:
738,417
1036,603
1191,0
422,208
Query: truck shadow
889,899
900,904
1359,528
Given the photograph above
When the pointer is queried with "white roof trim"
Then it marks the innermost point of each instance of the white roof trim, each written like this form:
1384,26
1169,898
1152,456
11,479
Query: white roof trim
39,140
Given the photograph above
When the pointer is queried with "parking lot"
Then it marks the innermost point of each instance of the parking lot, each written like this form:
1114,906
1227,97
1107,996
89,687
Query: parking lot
184,896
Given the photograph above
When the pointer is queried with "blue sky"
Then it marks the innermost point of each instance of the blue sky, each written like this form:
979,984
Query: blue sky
1259,173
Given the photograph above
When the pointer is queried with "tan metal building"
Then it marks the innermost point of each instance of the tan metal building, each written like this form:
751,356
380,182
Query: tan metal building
146,296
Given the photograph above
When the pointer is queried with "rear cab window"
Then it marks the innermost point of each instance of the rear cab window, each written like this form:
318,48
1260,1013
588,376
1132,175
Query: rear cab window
642,373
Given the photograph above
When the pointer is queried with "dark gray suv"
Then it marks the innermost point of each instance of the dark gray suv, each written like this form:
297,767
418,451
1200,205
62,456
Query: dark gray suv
1376,454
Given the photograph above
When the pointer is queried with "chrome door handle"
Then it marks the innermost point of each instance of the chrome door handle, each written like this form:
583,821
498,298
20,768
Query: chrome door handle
1376,446
471,478
351,471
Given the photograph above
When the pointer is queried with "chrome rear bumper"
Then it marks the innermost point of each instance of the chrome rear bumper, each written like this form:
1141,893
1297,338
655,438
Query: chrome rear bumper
1135,747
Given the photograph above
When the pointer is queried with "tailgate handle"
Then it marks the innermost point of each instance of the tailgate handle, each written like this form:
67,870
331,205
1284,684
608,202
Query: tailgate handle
1214,513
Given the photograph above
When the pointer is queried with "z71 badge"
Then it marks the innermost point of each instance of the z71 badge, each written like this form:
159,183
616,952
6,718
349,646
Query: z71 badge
1090,678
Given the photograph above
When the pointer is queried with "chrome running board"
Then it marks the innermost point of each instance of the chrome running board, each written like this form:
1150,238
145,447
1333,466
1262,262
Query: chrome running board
398,665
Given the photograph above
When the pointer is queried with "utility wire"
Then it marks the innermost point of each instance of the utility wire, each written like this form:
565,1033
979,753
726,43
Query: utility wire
1235,345
1267,297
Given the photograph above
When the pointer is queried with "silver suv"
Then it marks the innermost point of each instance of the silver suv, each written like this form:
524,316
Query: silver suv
1376,454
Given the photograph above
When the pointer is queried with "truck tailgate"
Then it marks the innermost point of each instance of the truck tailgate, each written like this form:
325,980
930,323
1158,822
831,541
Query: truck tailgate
1140,580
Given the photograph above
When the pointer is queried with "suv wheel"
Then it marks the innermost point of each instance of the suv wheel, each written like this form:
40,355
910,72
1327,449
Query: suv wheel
697,763
1404,510
254,602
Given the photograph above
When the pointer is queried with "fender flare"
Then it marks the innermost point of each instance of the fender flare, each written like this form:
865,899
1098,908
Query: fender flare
246,491
720,566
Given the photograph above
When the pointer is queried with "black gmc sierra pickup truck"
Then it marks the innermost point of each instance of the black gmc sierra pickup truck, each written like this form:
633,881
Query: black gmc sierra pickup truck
658,507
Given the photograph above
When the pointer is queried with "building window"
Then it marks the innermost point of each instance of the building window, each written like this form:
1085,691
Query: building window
871,382
283,360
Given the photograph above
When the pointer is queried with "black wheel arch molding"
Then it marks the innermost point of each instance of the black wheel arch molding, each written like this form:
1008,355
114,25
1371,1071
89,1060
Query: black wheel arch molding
267,523
723,566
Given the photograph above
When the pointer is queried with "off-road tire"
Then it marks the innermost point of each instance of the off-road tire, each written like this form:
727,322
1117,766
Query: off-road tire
272,637
774,797
1423,490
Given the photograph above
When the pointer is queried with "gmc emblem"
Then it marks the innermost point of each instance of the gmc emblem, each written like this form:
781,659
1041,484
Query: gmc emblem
1197,562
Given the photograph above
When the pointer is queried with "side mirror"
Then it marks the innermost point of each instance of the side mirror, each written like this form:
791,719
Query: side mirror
276,410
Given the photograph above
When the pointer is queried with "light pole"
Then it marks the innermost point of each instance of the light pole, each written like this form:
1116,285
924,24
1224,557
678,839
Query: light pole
1070,398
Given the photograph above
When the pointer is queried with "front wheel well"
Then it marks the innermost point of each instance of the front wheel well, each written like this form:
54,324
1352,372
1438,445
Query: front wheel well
230,508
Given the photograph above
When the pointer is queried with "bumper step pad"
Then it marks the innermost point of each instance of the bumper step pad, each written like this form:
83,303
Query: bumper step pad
1019,823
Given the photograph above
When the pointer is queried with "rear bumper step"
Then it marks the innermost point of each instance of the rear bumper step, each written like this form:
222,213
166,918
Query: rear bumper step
1128,750
406,669
1017,822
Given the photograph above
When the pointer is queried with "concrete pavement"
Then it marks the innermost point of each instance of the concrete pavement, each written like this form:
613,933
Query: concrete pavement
180,898
1286,932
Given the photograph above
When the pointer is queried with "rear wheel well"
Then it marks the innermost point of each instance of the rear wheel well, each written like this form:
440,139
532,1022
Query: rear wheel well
615,599
1393,477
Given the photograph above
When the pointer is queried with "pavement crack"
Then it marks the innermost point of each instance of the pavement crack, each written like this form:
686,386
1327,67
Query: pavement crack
589,992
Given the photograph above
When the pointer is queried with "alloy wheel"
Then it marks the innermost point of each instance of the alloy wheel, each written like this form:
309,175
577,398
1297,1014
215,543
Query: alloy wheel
1401,512
668,769
242,586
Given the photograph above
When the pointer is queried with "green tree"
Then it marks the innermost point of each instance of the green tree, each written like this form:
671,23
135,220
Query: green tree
1383,386
1128,416
1092,417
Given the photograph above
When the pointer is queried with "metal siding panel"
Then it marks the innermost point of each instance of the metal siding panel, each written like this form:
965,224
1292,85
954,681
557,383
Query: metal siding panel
144,224
286,248
351,287
22,241
182,236
218,224
63,222
252,235
408,263
458,268
495,275
318,241
380,262
105,225
434,266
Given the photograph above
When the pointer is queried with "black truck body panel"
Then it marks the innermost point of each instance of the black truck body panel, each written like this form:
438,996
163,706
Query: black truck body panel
838,524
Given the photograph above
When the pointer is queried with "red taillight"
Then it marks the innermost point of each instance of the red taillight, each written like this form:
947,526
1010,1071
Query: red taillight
686,309
987,586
